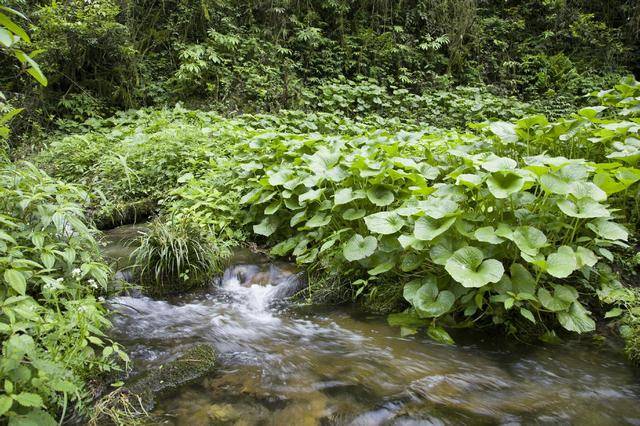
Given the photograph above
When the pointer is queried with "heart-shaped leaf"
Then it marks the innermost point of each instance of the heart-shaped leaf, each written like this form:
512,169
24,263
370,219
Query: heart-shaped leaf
562,263
318,220
426,229
346,195
467,267
487,234
577,319
353,214
359,247
503,184
551,302
529,239
384,222
583,208
437,208
429,308
380,196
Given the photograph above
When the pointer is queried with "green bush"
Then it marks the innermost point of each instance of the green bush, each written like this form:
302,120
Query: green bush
51,321
178,255
481,236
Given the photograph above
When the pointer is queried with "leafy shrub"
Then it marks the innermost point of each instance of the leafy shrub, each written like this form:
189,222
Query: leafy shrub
445,108
238,70
135,158
51,322
479,235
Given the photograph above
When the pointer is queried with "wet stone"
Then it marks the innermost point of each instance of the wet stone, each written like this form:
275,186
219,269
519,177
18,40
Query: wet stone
190,366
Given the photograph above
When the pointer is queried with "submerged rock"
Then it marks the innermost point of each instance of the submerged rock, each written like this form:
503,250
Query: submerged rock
189,367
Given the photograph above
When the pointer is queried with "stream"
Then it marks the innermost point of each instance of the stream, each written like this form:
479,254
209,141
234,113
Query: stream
285,365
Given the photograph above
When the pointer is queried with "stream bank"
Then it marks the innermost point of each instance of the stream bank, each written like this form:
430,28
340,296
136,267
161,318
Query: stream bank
338,365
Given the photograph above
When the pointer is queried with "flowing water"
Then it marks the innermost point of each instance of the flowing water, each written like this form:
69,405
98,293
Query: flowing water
281,365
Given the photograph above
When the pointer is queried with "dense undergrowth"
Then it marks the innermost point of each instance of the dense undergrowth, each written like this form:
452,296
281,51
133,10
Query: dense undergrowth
105,55
52,323
509,222
441,161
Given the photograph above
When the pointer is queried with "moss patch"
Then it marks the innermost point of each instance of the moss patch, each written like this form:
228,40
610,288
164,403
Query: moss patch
190,366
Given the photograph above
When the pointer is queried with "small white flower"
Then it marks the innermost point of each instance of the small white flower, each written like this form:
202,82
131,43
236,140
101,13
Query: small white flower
54,285
92,283
76,273
100,299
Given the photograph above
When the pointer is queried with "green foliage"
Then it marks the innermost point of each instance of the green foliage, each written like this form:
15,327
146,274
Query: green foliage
12,38
177,255
260,56
460,214
238,70
445,108
51,321
506,225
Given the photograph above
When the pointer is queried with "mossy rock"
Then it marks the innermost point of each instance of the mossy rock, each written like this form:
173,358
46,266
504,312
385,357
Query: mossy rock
187,368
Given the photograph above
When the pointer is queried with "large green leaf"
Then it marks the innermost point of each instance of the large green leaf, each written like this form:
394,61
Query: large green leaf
582,189
487,234
437,208
318,220
424,288
609,230
359,247
346,195
312,195
426,307
503,184
380,196
551,302
384,223
585,257
562,263
499,164
442,251
504,130
529,239
583,208
577,319
469,180
28,399
280,177
426,229
407,318
440,335
353,214
5,404
467,267
16,280
521,279
267,226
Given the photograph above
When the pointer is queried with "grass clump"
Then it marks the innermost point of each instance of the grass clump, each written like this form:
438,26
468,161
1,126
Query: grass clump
178,255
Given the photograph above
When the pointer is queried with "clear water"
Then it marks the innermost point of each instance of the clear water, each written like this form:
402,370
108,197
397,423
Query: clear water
336,366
